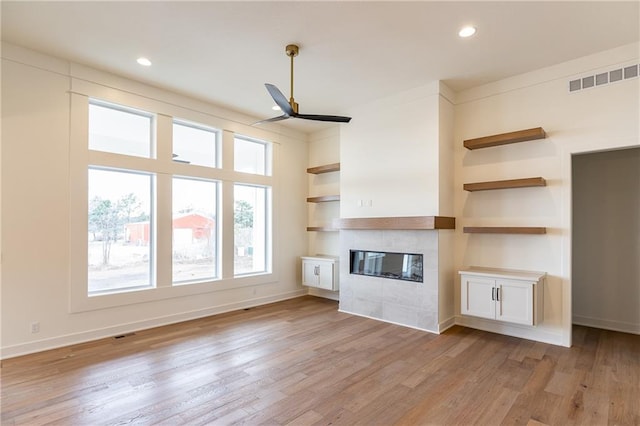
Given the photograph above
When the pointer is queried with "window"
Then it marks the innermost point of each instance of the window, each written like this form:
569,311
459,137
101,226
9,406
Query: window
119,130
195,230
120,231
251,229
153,201
193,144
250,156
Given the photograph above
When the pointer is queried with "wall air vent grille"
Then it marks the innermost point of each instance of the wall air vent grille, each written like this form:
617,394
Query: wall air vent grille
587,82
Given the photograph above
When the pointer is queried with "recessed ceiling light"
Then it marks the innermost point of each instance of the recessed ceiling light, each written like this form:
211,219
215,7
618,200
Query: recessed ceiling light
144,62
467,31
276,108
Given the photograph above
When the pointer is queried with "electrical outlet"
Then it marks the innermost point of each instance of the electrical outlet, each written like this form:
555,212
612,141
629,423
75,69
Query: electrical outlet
35,327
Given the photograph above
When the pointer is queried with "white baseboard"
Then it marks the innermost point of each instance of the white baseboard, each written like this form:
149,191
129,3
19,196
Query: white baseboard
446,324
514,330
625,327
87,336
318,292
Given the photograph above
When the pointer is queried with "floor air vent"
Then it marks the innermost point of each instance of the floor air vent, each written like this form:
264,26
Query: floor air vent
122,336
600,79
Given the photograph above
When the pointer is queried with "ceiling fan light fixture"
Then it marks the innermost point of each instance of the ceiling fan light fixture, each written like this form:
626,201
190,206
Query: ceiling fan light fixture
467,31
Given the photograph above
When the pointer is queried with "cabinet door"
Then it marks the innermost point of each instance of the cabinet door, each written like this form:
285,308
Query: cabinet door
476,297
514,301
309,275
326,275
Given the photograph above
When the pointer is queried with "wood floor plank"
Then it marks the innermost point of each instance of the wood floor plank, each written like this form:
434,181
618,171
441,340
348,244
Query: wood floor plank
624,406
301,362
493,411
564,384
514,375
594,409
307,418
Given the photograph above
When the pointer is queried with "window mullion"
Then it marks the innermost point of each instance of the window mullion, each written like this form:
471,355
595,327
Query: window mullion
163,224
227,207
164,231
227,150
163,142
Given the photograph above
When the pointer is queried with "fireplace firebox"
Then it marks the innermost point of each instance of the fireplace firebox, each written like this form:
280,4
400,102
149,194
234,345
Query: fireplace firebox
397,266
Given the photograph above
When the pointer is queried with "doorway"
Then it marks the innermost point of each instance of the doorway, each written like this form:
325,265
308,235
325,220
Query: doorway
606,240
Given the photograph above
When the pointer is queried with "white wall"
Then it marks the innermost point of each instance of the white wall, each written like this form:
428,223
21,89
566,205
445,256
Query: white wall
600,118
389,155
606,240
446,116
36,211
446,238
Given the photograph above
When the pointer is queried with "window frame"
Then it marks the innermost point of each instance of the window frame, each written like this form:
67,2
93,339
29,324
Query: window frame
132,111
217,132
80,158
268,251
152,236
268,154
218,240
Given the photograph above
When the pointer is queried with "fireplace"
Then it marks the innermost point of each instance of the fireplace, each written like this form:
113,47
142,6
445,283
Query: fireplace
425,303
397,266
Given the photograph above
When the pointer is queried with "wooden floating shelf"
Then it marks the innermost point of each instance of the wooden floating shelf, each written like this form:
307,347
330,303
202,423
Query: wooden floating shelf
504,230
335,167
505,138
321,229
505,184
323,199
397,223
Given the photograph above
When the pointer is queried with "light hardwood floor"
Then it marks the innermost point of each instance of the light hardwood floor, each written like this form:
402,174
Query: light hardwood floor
301,362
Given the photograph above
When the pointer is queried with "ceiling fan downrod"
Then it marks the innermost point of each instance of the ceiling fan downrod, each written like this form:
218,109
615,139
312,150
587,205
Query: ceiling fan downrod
292,51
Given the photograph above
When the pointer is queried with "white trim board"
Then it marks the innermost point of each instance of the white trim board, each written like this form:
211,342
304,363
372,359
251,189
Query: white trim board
514,330
623,327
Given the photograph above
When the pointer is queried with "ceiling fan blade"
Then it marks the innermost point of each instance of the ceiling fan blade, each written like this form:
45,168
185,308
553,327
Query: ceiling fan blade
333,118
279,99
269,120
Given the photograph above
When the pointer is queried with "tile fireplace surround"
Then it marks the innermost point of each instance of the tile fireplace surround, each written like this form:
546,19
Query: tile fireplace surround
412,304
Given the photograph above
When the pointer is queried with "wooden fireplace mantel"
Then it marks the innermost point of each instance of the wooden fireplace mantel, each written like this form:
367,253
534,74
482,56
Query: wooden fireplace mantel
397,223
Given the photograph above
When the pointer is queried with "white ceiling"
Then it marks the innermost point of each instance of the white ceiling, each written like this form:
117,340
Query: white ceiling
350,52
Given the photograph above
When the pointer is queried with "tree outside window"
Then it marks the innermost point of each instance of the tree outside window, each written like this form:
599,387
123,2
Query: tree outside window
119,249
250,229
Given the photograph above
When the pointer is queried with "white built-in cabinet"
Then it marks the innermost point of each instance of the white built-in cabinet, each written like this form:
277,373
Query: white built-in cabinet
502,294
320,272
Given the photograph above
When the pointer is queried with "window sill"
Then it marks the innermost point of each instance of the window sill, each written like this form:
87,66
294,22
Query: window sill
84,302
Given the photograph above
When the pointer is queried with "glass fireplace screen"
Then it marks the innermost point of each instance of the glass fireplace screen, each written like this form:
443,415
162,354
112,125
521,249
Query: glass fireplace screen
397,266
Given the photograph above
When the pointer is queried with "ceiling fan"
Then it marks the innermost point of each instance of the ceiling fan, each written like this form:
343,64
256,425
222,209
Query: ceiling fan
290,108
